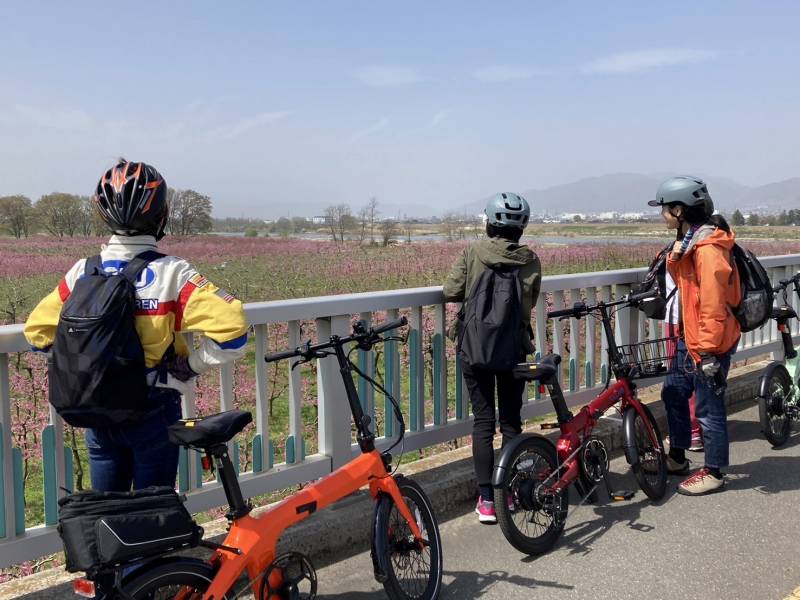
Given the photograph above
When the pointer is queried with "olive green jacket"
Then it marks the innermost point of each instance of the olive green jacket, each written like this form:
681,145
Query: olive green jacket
496,251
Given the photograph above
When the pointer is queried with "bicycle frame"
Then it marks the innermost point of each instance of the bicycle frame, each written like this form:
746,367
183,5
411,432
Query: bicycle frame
579,427
576,428
251,541
256,538
791,354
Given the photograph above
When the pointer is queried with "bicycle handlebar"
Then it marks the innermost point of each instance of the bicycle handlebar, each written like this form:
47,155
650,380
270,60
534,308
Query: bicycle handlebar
580,309
569,312
389,325
785,283
273,356
361,335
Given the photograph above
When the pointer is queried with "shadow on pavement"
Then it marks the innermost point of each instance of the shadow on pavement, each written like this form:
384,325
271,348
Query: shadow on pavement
743,431
587,523
464,584
767,475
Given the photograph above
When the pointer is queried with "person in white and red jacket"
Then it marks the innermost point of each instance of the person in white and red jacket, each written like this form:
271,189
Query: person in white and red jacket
171,297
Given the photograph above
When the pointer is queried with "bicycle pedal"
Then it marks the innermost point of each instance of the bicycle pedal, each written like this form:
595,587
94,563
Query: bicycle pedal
549,426
621,495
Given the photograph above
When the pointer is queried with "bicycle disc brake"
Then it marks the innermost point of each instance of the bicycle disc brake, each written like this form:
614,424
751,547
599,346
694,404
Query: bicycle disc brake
291,576
594,459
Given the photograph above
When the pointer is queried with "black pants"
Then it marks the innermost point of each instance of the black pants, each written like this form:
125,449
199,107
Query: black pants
481,386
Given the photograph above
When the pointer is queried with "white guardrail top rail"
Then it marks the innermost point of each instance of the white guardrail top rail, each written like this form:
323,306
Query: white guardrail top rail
434,400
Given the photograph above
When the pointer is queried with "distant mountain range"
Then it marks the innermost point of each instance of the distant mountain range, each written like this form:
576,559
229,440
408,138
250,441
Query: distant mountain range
629,192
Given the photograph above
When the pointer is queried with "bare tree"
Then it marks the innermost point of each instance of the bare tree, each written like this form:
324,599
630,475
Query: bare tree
408,228
372,215
452,226
339,220
475,224
90,221
189,212
389,230
60,214
16,215
330,220
363,223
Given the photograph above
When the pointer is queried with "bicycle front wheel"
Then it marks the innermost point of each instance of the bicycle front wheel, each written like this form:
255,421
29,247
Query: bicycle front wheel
184,579
650,468
411,572
775,421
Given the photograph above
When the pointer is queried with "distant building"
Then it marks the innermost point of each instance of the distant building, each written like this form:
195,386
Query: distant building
318,220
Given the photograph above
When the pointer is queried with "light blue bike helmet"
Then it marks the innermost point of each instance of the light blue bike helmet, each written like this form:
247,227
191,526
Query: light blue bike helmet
508,210
684,189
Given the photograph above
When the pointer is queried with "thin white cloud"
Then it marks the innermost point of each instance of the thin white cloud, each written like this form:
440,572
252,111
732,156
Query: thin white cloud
54,117
437,118
245,125
630,62
374,128
502,73
384,76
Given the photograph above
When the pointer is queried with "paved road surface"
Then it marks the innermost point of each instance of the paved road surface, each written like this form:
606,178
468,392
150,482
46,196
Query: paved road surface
742,543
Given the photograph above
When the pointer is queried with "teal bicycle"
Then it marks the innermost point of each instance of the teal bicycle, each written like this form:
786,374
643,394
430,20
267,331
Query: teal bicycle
779,386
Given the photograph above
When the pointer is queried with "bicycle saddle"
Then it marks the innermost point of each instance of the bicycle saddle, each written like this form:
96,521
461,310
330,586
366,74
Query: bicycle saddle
543,370
783,312
212,430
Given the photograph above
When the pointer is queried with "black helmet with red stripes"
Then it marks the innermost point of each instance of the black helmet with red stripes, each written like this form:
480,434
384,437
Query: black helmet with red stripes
131,198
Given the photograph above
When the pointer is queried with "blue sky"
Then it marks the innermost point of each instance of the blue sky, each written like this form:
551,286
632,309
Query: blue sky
283,108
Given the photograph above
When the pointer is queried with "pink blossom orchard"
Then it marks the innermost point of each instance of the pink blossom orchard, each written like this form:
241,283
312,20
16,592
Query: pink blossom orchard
258,269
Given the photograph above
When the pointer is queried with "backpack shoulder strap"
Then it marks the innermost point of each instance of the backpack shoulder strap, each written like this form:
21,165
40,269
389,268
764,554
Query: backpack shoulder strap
94,264
138,263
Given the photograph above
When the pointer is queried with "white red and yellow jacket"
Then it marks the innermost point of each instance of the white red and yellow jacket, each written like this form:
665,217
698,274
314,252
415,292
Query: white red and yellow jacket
171,297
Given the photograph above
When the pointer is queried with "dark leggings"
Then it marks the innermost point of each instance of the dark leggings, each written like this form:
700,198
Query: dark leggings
481,386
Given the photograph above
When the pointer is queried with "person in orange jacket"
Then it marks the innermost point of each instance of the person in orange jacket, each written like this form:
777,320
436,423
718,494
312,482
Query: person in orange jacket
702,267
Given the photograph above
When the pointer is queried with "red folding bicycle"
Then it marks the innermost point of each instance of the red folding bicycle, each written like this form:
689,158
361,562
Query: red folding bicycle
532,476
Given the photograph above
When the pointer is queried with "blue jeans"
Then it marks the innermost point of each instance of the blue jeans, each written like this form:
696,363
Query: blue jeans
684,379
140,454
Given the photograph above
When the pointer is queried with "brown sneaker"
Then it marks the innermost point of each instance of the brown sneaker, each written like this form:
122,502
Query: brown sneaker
676,468
702,482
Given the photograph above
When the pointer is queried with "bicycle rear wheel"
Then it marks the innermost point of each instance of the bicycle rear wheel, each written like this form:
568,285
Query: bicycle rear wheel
411,572
538,517
775,422
650,466
179,579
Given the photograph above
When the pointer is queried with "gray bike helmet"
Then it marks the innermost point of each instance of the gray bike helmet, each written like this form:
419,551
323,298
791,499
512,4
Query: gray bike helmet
686,190
508,210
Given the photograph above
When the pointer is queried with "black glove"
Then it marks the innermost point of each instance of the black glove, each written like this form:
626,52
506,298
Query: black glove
178,367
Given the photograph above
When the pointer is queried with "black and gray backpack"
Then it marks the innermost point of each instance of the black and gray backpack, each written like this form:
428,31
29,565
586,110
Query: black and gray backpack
755,307
490,332
96,370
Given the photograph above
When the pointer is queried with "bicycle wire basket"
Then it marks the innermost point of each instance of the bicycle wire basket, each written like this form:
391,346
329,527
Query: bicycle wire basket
649,359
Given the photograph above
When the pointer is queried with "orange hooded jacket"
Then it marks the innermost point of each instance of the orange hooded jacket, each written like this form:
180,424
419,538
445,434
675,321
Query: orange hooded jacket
709,286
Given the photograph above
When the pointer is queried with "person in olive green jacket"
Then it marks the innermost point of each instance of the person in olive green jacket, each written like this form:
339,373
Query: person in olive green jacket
506,217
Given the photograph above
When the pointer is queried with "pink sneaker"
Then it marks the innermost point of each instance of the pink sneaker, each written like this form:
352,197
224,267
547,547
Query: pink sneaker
697,444
485,510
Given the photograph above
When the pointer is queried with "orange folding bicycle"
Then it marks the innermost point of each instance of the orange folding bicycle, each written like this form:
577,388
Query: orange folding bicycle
406,547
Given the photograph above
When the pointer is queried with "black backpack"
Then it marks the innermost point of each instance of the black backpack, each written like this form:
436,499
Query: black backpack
96,371
755,307
490,332
656,281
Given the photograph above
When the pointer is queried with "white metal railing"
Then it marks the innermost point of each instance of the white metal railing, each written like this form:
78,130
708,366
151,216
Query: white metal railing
433,413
